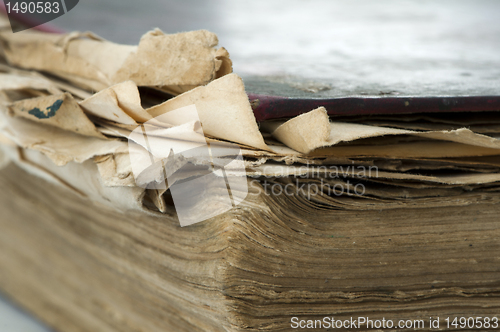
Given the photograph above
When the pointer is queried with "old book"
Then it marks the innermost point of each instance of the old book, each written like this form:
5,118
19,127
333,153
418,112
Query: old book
82,267
142,202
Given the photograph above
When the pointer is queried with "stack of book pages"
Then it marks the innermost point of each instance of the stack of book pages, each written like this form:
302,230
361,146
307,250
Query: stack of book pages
139,193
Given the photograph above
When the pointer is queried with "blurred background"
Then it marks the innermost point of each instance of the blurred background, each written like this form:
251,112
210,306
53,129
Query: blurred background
359,47
13,319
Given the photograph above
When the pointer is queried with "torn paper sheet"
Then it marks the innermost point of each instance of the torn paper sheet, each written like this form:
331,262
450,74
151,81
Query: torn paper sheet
81,58
116,170
224,111
276,153
158,153
17,85
161,130
51,84
313,130
183,60
60,110
303,133
188,58
82,179
21,82
59,145
119,103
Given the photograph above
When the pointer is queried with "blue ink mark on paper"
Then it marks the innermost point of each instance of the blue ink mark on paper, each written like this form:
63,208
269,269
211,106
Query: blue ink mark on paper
51,110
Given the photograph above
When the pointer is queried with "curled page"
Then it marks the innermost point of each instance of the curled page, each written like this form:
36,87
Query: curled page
183,60
82,58
119,103
303,133
223,108
313,130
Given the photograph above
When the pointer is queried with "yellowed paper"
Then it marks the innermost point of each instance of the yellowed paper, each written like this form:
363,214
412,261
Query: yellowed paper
56,110
59,145
182,60
80,178
18,82
224,111
303,133
309,131
188,58
119,103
